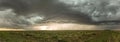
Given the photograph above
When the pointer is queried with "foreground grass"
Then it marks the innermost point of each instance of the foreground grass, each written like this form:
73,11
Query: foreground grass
60,36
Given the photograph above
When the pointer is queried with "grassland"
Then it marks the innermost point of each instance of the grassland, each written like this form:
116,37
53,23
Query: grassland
60,36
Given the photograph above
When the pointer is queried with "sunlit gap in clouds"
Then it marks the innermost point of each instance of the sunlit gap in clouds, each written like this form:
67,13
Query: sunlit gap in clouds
73,26
64,26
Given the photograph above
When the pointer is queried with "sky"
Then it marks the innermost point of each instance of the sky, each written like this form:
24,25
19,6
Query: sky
30,14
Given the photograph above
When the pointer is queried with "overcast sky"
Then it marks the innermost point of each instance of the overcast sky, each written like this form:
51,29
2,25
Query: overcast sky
22,13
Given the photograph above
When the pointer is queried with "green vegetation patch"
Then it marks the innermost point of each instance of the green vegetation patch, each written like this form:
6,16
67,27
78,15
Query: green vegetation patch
60,36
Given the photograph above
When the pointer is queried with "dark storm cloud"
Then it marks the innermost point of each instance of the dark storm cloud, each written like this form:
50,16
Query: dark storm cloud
27,12
31,12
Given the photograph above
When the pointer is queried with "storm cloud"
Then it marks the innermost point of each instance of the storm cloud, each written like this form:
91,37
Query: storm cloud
27,13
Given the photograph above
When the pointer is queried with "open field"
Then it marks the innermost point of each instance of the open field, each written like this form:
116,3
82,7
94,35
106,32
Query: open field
60,36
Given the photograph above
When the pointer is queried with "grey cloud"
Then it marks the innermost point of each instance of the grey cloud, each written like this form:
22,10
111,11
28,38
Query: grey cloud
31,12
